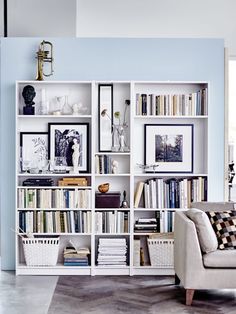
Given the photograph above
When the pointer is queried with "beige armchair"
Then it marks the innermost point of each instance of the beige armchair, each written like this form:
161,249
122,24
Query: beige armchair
198,270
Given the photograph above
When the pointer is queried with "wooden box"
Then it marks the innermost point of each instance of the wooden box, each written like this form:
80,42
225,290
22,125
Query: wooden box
107,200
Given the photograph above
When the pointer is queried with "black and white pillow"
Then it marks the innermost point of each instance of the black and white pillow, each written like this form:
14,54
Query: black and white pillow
224,225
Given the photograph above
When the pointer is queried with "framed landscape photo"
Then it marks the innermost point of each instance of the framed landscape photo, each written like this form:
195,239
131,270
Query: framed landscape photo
61,140
169,146
105,117
34,148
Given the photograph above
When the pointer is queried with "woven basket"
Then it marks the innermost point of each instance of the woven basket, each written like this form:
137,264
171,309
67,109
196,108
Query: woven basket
161,251
41,251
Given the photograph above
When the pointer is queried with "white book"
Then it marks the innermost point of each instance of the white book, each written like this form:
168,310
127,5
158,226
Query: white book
136,253
72,221
138,194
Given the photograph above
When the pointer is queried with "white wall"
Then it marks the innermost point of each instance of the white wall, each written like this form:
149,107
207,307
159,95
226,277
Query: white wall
158,18
37,18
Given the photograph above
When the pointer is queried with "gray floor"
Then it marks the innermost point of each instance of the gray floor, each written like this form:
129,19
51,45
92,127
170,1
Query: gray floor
25,294
135,295
106,295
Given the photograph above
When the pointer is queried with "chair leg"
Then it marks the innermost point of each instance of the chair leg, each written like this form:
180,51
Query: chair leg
189,296
177,280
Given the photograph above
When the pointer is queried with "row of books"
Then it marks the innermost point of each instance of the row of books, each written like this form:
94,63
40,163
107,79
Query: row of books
112,251
44,221
112,222
163,222
50,198
76,257
171,193
193,104
103,164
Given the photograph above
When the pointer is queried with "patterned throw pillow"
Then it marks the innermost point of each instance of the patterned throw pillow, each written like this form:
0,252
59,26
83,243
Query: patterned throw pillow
224,225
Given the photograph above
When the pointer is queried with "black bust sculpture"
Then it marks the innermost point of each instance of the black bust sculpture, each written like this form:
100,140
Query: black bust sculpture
28,94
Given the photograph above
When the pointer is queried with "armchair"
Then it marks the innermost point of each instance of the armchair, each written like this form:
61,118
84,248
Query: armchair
198,270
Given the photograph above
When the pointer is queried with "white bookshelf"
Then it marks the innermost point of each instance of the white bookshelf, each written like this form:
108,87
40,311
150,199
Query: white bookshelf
127,176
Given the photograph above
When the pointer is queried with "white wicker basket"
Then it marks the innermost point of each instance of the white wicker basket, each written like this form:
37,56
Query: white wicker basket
161,252
41,251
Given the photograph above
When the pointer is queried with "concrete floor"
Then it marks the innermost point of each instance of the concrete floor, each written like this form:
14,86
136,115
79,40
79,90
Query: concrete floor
25,294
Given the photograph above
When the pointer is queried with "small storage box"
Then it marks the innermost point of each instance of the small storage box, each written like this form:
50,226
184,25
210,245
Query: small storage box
107,200
41,251
161,251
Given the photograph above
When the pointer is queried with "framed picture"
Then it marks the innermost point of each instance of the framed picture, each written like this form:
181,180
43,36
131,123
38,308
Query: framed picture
105,117
34,148
169,146
61,140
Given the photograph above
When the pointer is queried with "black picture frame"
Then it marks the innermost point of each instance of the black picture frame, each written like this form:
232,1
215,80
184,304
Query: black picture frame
60,141
105,122
33,147
169,148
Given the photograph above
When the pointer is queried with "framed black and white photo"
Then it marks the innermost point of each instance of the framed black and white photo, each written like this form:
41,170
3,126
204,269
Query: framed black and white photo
61,140
105,117
169,146
34,148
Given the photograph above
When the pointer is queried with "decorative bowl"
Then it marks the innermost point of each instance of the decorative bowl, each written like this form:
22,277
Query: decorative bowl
103,188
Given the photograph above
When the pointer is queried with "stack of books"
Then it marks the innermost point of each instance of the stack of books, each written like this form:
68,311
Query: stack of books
79,257
112,251
145,225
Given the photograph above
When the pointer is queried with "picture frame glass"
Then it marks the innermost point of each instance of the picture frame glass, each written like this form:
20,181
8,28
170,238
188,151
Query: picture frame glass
34,149
105,116
169,146
61,136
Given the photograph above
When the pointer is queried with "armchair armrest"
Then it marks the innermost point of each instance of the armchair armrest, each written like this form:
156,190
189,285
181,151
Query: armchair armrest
188,262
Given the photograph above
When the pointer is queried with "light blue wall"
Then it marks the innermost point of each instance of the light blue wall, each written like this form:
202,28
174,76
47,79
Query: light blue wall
109,59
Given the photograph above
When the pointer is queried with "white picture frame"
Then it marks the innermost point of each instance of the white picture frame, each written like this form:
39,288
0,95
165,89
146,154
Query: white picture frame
169,147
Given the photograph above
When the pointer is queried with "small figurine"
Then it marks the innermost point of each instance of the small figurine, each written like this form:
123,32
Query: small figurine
75,156
114,166
124,203
28,94
78,109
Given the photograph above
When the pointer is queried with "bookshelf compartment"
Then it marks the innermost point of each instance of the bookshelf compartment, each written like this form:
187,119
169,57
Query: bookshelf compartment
55,222
50,97
112,164
112,222
116,183
171,99
158,192
112,251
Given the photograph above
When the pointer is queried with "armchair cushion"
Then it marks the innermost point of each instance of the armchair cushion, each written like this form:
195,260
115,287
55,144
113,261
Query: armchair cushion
224,225
206,235
220,259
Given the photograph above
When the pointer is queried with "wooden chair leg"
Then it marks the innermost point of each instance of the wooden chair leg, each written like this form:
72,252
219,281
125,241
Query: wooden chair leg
189,296
177,280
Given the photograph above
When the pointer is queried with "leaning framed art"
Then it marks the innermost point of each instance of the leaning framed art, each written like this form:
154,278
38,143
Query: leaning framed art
61,140
34,148
169,147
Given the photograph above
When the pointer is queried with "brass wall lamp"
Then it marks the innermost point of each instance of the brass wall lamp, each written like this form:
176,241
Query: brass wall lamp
44,54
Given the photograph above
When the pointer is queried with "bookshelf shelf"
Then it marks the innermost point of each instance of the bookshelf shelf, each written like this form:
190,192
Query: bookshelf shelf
113,233
59,117
158,209
170,175
71,187
127,174
111,209
62,234
113,154
170,117
113,175
49,175
54,209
